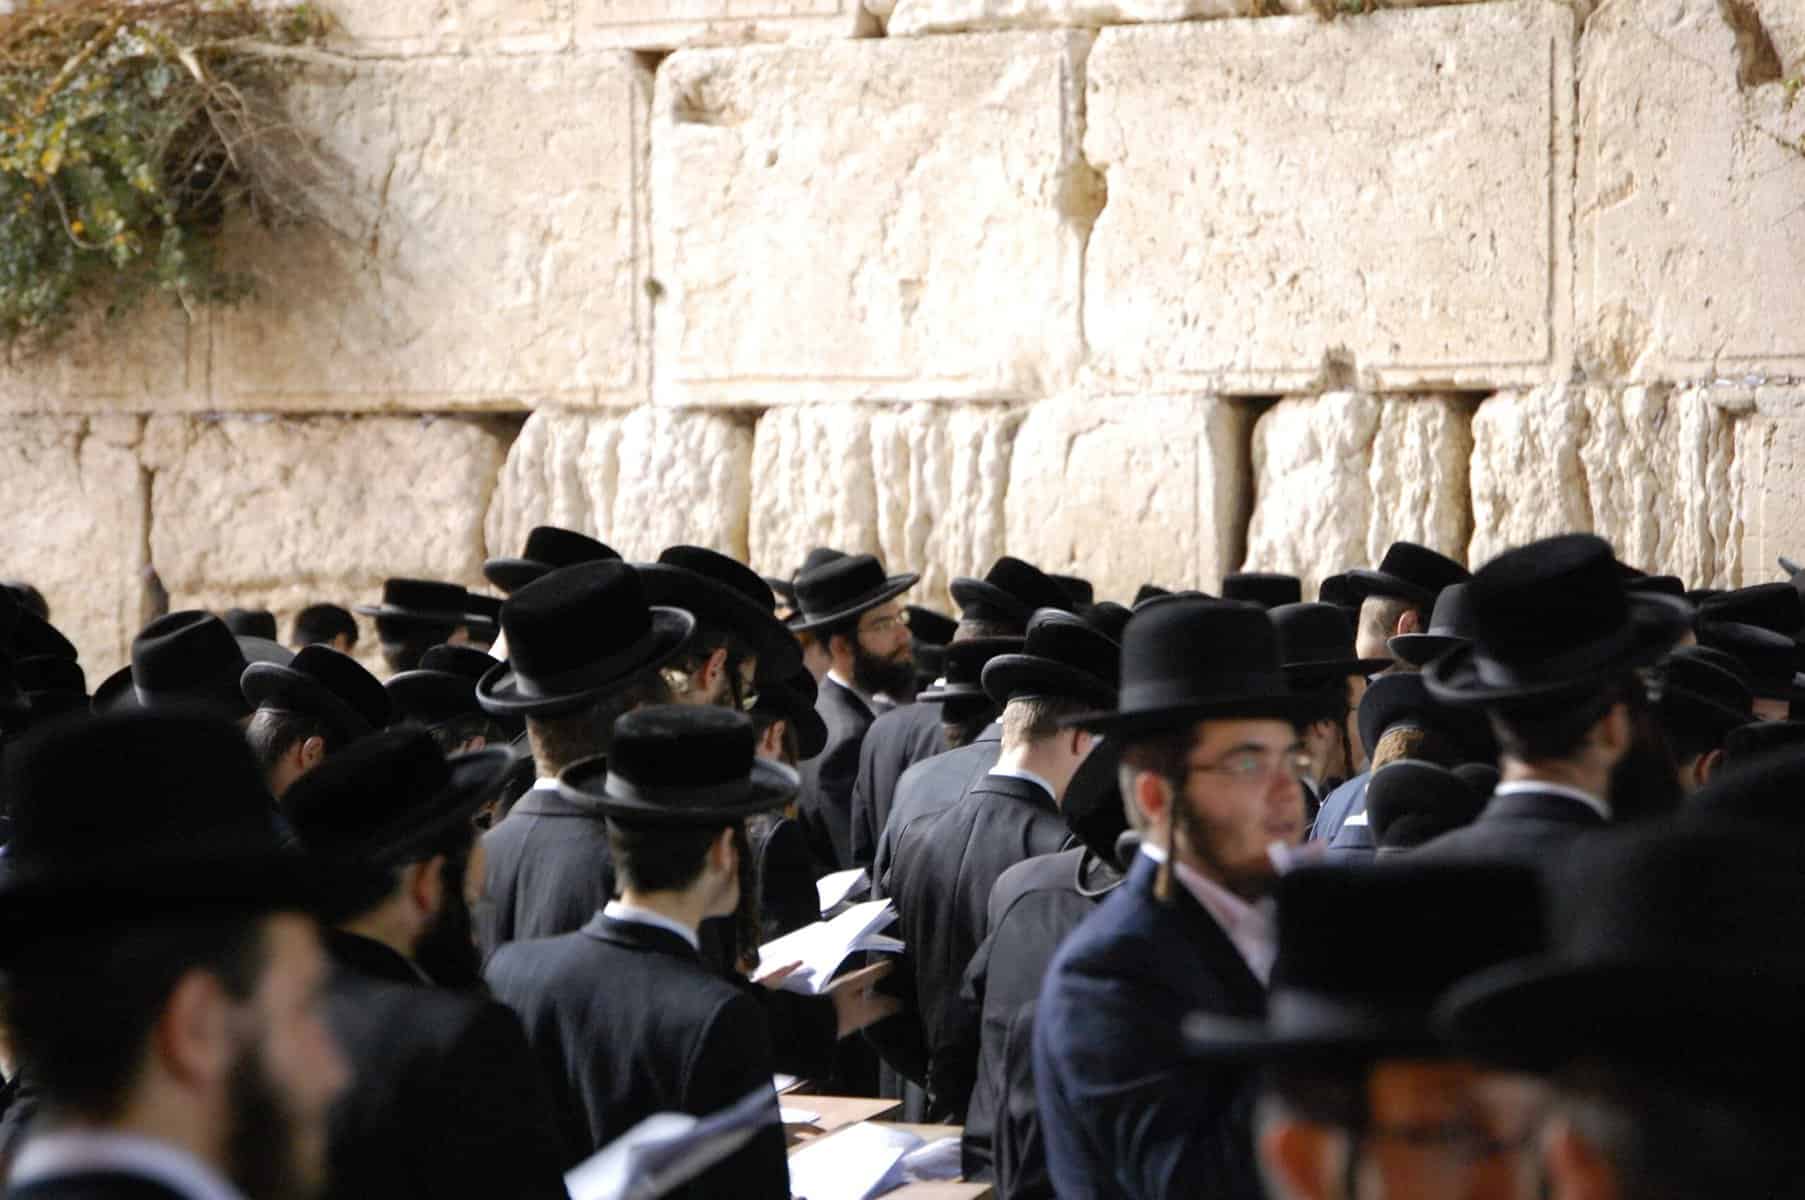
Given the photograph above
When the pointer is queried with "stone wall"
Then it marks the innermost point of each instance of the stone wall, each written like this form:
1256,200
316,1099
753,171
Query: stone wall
1141,289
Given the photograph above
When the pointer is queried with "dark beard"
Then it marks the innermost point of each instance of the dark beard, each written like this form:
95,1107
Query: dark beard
447,950
261,1149
1249,885
872,675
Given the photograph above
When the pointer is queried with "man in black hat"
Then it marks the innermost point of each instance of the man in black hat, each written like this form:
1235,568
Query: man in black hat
585,647
1661,1017
1557,642
850,605
999,605
326,624
1317,645
416,615
1769,662
667,1034
548,548
1211,762
736,640
942,868
441,697
1268,589
165,980
789,731
183,659
446,1099
1411,802
317,705
1358,1096
1398,596
1700,702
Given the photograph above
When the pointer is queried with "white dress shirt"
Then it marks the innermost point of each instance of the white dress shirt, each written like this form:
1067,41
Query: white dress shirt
1248,926
1523,787
78,1152
620,910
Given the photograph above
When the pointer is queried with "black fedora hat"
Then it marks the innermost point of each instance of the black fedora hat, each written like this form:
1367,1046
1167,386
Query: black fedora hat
1676,952
1450,628
251,622
410,603
1764,786
1011,591
390,796
1666,585
1410,801
816,557
1079,591
48,686
485,618
547,548
845,587
323,684
1550,618
1108,618
1147,592
1409,572
1769,659
182,659
1692,693
724,594
784,590
1186,660
1316,644
1758,738
680,766
928,627
576,634
1366,950
1268,589
30,636
442,689
1772,606
1063,658
965,663
1405,699
1092,804
792,700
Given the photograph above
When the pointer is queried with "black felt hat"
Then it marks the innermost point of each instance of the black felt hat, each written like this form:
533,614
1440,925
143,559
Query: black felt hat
390,797
47,687
485,618
251,622
1364,953
178,660
1677,952
1092,804
1759,738
845,587
1149,591
1063,658
1769,659
1108,618
930,628
1011,591
1340,591
1405,699
1551,617
26,635
965,663
1410,801
1772,606
1409,572
724,594
575,635
680,766
792,700
1080,591
442,689
323,684
1317,645
412,603
1666,585
1450,628
1694,694
547,548
1764,786
1267,589
816,557
1187,660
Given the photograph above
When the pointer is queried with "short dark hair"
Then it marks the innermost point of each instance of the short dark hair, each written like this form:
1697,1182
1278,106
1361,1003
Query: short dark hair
701,647
1379,615
358,891
452,733
1554,728
560,740
403,648
1035,719
273,731
321,623
1322,700
962,719
846,627
1166,755
81,1012
658,859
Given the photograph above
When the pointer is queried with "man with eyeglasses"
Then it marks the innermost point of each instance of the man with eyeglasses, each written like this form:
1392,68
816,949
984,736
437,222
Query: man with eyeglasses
1210,768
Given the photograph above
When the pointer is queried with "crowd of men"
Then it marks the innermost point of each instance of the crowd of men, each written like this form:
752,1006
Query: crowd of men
1438,885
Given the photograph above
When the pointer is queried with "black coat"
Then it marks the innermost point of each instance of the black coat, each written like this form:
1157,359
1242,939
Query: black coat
1124,1110
828,778
549,869
445,1098
1523,826
1033,906
787,899
896,741
95,1185
932,787
625,1021
941,874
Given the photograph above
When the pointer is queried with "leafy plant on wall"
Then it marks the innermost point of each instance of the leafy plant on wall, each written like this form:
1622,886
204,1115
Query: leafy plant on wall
128,129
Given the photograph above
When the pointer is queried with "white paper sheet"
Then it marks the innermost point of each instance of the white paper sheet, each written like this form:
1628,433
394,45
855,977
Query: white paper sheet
836,889
856,1163
822,948
667,1150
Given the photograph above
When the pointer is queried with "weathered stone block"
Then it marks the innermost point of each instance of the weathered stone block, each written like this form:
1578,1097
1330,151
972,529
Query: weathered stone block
1691,233
486,254
451,26
956,16
813,484
1293,200
1130,490
1767,481
882,220
1339,477
77,527
661,25
560,471
151,358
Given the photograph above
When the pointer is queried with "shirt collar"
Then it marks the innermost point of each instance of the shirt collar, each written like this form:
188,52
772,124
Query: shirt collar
1541,787
1248,926
620,910
75,1152
869,701
1030,776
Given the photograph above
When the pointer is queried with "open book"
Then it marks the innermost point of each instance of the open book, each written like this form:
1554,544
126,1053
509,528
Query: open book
667,1150
822,948
866,1160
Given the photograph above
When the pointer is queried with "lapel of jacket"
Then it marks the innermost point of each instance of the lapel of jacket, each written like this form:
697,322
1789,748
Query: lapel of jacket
1185,918
1542,806
632,935
1009,789
550,802
854,711
366,956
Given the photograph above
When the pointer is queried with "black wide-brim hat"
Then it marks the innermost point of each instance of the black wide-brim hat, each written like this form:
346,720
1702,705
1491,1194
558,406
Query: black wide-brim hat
1317,644
714,599
1408,572
674,766
1404,698
792,701
548,548
1063,658
1268,589
965,662
768,785
182,659
443,687
1011,590
1092,804
845,587
430,602
1421,649
324,684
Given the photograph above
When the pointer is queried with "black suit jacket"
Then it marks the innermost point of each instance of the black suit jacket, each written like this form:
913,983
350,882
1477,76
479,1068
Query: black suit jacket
445,1098
828,778
1125,1111
931,787
1527,825
1033,907
625,1021
896,741
549,869
94,1185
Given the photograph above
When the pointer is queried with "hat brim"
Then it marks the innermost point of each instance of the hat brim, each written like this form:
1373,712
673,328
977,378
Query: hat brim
1015,676
769,785
715,603
114,693
952,691
1171,718
502,692
1655,624
1339,1039
431,696
1331,668
893,587
263,650
811,733
976,593
512,574
1421,649
275,686
415,616
476,777
1368,582
117,694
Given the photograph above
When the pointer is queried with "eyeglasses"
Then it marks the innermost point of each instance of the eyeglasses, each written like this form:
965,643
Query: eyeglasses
885,624
1464,1139
1252,766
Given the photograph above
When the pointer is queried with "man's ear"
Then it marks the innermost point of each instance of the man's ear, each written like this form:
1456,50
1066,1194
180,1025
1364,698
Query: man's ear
1152,794
1708,764
714,668
1410,621
424,883
312,753
192,1039
722,853
1577,1169
1301,1160
1615,730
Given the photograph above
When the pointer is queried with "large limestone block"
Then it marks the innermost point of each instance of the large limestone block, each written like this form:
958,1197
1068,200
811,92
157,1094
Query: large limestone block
813,484
955,16
1382,200
77,527
1691,234
1651,469
663,25
392,27
894,220
151,358
487,249
1130,490
1768,480
1339,477
560,471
